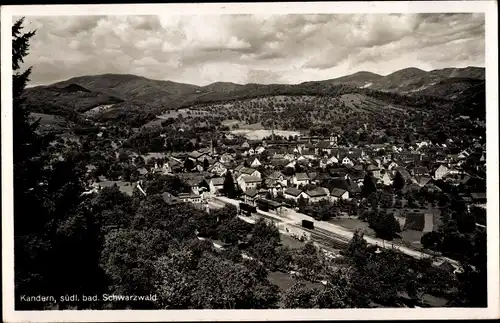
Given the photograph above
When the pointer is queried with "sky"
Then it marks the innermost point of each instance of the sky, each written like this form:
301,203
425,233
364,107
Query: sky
202,49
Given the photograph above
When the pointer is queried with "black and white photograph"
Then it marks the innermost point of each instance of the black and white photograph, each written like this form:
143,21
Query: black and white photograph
287,158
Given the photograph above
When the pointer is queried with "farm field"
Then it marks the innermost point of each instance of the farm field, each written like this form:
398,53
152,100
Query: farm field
353,224
183,113
257,134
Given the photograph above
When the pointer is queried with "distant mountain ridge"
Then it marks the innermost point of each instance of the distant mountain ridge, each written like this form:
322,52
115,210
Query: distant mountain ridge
83,93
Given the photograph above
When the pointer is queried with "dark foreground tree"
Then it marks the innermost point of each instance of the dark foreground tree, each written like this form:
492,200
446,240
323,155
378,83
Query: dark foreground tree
56,238
398,183
228,185
385,225
369,186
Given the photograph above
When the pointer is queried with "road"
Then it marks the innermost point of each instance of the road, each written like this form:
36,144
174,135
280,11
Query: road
292,217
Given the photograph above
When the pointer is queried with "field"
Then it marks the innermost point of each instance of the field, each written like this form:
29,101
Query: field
413,225
97,110
290,242
353,224
258,134
182,112
124,187
48,119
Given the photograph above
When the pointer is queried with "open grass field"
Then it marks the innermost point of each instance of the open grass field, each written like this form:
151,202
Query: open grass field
290,242
48,119
124,187
353,224
261,133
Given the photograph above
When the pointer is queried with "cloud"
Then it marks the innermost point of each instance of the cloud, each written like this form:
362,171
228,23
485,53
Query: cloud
201,49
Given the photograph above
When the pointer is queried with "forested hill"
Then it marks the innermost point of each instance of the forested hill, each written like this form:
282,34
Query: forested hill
124,93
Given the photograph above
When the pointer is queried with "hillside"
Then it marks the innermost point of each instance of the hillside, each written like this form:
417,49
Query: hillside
467,72
359,79
62,99
407,80
451,88
134,88
115,96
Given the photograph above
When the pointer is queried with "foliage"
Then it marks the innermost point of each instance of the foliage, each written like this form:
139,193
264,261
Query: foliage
385,224
369,186
299,296
398,183
228,186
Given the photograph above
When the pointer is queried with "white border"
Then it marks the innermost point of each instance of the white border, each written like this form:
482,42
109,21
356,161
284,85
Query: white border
488,7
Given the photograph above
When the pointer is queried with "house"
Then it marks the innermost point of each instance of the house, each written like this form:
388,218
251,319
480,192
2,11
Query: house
247,182
190,198
464,154
142,171
246,171
196,156
441,172
386,178
226,158
260,149
420,171
194,184
339,194
323,163
479,198
245,145
170,199
273,187
312,177
332,160
218,168
421,181
404,173
317,194
250,195
291,164
300,179
356,176
392,164
293,193
347,161
216,185
255,163
375,170
278,177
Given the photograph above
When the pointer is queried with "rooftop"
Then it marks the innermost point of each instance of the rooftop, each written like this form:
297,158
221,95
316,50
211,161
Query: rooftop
317,192
293,191
252,179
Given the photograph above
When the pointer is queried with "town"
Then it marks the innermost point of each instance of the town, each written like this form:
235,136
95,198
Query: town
313,172
363,191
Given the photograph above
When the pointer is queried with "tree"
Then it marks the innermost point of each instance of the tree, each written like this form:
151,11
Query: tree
228,185
206,164
369,186
357,248
398,183
342,291
431,240
309,261
188,164
299,296
385,225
